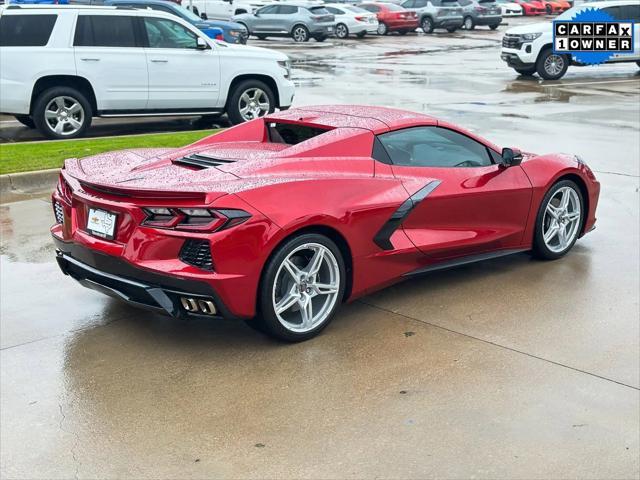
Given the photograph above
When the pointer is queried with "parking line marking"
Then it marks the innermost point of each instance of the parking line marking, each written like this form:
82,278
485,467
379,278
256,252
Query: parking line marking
591,83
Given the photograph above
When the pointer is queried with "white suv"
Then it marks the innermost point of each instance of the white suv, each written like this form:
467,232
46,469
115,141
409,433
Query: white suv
62,65
528,48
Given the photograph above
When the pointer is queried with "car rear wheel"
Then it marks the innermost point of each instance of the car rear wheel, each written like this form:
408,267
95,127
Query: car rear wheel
25,120
249,100
427,25
62,112
342,31
301,289
551,66
382,29
468,23
559,220
300,34
494,26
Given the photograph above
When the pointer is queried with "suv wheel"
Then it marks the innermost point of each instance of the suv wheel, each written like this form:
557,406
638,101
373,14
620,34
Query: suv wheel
62,112
249,100
469,24
382,29
494,26
25,120
342,31
301,288
427,25
300,34
551,66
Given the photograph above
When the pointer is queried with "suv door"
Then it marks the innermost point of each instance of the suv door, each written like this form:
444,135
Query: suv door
477,205
266,19
181,76
286,16
108,52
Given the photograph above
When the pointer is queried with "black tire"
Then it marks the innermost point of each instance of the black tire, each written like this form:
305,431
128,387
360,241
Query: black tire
267,321
427,25
527,72
638,63
543,66
548,9
342,31
451,29
233,107
25,120
361,34
320,38
540,248
382,28
494,26
261,37
300,33
47,96
468,23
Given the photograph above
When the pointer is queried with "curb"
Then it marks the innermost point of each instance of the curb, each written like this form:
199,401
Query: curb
28,182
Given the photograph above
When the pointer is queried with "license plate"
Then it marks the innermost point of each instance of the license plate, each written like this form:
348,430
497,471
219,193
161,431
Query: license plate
101,223
330,29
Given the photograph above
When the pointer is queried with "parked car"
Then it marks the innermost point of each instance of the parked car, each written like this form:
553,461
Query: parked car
553,7
392,18
243,225
60,66
432,14
217,29
223,9
352,20
528,49
480,12
531,7
298,21
36,2
508,8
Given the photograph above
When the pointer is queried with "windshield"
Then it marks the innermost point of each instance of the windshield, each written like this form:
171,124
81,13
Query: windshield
355,9
393,7
319,10
188,14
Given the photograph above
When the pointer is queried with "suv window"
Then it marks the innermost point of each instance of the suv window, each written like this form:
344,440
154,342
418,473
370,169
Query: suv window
286,10
269,9
165,33
105,31
334,10
434,147
26,30
421,3
409,3
318,11
631,12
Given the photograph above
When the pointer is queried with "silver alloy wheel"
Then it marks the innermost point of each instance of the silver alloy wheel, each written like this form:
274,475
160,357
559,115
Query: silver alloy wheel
306,287
253,103
382,28
553,64
341,31
561,220
427,26
64,115
468,23
300,34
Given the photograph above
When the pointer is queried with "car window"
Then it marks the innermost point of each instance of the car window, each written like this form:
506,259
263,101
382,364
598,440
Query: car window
335,11
420,3
268,9
434,147
615,12
26,30
354,9
409,3
105,31
286,10
161,8
392,7
631,12
318,11
371,8
165,33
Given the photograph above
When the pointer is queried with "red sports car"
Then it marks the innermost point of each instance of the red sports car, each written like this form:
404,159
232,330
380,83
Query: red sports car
392,18
281,219
532,7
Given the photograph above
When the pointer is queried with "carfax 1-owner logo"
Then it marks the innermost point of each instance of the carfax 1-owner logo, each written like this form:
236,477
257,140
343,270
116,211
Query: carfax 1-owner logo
593,36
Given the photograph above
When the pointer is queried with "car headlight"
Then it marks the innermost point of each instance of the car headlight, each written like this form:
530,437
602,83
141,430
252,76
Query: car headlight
286,64
529,37
235,33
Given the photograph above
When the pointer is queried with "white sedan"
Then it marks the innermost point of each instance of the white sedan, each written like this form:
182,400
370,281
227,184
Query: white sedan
352,20
509,9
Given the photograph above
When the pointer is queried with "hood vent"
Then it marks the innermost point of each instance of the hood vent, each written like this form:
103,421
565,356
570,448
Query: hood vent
201,161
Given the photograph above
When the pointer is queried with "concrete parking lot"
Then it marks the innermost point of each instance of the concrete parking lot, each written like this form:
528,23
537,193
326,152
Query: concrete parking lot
512,368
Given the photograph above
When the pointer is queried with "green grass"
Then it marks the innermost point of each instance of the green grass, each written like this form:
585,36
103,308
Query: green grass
28,156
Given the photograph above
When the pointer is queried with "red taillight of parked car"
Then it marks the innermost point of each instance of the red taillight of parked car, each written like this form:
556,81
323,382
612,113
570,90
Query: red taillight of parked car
193,219
220,37
361,19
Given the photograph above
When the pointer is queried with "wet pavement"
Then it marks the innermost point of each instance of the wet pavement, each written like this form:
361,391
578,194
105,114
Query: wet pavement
511,368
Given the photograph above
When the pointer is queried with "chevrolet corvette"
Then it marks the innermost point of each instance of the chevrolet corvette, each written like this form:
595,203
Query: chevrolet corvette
282,219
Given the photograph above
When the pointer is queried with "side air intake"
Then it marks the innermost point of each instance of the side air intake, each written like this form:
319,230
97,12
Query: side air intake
201,161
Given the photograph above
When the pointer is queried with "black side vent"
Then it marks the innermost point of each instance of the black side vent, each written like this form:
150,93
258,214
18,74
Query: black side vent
197,253
201,161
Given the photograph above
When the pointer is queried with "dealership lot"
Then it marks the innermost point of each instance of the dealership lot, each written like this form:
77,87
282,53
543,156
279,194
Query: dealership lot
511,368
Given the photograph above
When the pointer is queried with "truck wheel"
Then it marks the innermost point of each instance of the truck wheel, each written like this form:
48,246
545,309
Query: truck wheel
469,24
25,120
527,72
62,112
249,100
427,25
300,34
551,66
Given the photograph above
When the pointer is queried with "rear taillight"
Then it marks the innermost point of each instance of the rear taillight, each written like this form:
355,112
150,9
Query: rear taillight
193,219
481,9
64,189
220,37
361,19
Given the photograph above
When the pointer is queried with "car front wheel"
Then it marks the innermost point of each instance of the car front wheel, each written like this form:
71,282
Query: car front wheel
62,112
382,29
551,66
559,220
469,24
300,34
249,100
301,288
427,25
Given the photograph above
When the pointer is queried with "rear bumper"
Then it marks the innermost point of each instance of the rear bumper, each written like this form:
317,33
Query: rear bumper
327,29
141,288
489,20
448,22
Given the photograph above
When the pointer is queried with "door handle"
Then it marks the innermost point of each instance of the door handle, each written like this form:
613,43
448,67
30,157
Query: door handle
90,59
157,60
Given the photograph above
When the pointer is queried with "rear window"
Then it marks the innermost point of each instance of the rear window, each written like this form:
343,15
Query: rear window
319,10
392,7
105,31
354,9
26,30
292,133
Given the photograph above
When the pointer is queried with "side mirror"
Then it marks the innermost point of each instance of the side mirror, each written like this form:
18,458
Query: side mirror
201,44
511,157
204,16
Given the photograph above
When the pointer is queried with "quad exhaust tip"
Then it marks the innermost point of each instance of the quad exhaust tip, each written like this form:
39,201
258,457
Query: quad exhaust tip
198,305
